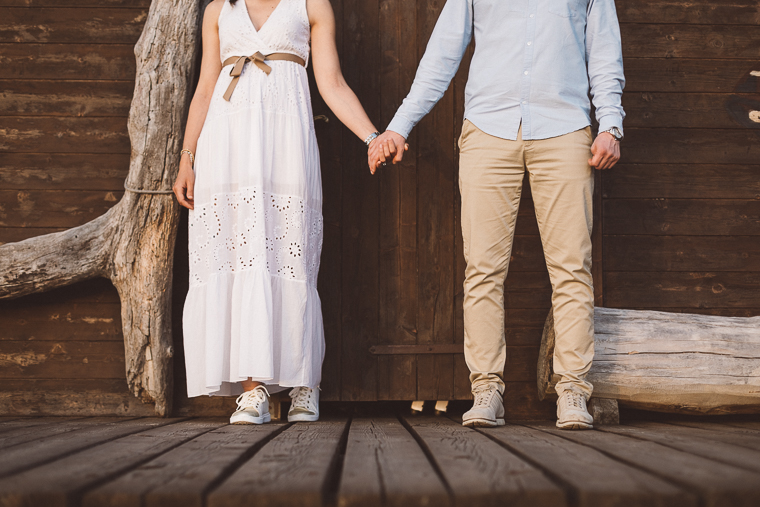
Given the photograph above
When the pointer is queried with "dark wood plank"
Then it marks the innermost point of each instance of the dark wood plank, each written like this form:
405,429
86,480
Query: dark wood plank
47,427
682,253
521,403
67,61
97,290
76,3
689,75
62,359
306,451
26,134
682,181
63,171
694,441
62,25
83,397
716,484
385,466
749,425
330,139
182,476
361,209
702,146
727,433
480,473
689,110
703,12
47,449
661,290
435,229
61,321
647,40
65,98
682,217
40,208
593,478
397,270
530,289
12,426
62,482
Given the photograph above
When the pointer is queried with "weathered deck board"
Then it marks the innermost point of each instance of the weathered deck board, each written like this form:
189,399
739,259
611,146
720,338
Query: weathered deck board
293,469
11,423
44,428
45,449
385,466
725,433
480,473
717,484
182,476
62,482
696,442
594,478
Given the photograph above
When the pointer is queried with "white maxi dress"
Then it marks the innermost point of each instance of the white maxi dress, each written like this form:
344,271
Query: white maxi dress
255,235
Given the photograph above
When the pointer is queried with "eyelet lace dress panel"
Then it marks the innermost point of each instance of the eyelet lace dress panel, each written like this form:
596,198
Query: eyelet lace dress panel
277,233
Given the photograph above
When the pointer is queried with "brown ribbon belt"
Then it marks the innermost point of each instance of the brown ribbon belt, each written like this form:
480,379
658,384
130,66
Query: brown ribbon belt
259,60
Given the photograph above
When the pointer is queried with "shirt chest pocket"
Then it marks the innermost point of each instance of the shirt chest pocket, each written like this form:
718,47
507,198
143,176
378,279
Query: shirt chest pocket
568,8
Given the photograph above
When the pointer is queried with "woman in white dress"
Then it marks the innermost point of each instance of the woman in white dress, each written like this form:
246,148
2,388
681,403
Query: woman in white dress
250,175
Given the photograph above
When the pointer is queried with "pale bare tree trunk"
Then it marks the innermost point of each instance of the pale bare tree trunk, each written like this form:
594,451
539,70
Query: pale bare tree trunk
133,243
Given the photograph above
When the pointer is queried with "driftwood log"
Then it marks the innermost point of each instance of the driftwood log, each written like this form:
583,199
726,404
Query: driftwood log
669,362
133,243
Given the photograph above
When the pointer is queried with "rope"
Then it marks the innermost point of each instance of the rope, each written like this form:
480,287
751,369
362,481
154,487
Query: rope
141,191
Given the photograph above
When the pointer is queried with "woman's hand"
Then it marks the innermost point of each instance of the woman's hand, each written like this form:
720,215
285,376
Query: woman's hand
183,187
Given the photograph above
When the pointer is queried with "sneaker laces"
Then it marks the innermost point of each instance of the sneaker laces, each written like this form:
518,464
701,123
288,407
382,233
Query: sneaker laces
483,396
301,397
252,398
573,400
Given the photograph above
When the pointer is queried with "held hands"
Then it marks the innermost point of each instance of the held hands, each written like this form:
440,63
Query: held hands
605,151
388,146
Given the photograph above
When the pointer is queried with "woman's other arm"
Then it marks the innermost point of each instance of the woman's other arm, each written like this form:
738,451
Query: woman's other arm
211,67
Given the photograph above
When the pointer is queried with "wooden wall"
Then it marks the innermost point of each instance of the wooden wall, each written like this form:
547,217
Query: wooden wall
66,80
677,224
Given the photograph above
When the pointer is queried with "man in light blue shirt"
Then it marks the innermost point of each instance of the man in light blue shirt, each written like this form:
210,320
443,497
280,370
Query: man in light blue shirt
527,108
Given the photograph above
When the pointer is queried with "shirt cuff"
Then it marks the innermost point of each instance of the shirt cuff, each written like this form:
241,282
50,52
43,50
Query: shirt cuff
608,121
401,126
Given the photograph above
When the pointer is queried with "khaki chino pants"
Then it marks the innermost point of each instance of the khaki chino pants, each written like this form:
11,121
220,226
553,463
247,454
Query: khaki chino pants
562,183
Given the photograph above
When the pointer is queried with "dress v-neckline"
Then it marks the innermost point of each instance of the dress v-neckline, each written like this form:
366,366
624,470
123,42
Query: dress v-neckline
248,15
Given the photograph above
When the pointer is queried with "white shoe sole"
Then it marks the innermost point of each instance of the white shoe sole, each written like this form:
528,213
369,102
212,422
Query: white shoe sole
483,423
574,425
247,419
303,418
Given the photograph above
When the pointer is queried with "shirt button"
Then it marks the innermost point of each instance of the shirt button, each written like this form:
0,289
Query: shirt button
532,15
526,72
525,101
529,43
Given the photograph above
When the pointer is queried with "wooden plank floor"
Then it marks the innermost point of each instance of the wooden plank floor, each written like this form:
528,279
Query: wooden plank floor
389,460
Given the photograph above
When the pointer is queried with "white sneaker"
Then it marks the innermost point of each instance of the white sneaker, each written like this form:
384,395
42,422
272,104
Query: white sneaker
253,407
487,410
305,405
572,413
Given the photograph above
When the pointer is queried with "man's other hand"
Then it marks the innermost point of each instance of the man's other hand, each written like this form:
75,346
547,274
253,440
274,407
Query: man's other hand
389,146
605,151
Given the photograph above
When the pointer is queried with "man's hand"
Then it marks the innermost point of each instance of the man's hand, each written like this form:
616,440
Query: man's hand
387,146
605,151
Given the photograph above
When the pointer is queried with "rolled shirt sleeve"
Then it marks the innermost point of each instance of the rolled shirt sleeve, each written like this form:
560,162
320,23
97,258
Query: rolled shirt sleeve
447,45
604,56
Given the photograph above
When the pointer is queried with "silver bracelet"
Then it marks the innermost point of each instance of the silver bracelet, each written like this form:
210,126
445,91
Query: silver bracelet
371,137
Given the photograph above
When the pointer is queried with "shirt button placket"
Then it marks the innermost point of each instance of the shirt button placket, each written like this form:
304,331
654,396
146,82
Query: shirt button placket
527,67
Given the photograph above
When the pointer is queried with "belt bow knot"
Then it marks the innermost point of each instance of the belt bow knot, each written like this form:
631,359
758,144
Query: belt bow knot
259,60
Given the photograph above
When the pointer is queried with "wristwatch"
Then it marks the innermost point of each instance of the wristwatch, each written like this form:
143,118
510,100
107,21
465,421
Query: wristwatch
371,138
615,133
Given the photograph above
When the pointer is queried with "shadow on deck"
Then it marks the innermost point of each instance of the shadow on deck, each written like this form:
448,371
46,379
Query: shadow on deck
373,461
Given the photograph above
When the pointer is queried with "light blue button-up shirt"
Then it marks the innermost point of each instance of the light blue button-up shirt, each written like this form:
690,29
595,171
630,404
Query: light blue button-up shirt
535,62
